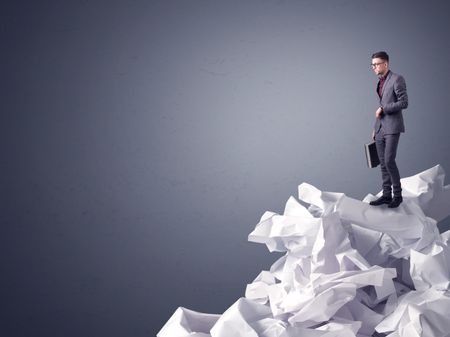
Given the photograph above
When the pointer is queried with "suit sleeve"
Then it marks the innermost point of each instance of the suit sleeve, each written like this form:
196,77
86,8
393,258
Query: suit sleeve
402,98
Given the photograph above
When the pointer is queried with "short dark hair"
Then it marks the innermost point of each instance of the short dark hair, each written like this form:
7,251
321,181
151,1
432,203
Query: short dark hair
381,55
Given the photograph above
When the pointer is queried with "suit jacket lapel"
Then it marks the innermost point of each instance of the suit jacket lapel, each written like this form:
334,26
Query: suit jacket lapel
385,83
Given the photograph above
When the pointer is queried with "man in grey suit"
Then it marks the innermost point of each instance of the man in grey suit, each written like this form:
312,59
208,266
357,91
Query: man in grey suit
391,90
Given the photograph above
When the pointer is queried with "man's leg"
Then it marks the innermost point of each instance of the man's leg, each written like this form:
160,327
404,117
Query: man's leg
391,144
381,146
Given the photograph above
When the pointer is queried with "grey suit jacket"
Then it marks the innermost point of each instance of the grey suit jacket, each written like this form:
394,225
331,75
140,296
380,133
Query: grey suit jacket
393,99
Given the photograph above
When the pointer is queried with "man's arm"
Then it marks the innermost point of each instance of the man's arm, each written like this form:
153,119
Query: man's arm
402,97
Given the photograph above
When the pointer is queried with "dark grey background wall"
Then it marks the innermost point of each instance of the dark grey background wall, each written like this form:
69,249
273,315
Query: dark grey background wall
142,141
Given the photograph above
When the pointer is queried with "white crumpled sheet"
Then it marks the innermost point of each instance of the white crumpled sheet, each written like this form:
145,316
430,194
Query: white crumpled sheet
349,269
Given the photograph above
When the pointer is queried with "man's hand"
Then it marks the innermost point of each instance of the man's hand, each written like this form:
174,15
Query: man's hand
379,112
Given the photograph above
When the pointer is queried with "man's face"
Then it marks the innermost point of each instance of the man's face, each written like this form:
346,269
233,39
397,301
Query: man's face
379,66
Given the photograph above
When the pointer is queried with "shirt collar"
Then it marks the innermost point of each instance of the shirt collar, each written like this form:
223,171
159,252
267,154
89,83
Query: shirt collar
383,78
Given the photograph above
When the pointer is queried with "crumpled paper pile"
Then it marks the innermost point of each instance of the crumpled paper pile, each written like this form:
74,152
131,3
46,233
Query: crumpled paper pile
349,269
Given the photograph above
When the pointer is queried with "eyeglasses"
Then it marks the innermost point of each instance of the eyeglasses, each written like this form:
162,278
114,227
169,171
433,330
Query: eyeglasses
373,65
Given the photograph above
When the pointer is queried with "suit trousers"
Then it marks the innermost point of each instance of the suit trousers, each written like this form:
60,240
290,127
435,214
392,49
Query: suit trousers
387,151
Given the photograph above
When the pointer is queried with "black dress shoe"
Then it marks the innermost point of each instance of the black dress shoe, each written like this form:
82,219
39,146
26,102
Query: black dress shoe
381,200
395,202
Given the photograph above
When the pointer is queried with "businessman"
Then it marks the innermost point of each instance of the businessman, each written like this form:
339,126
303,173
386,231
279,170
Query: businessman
391,90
